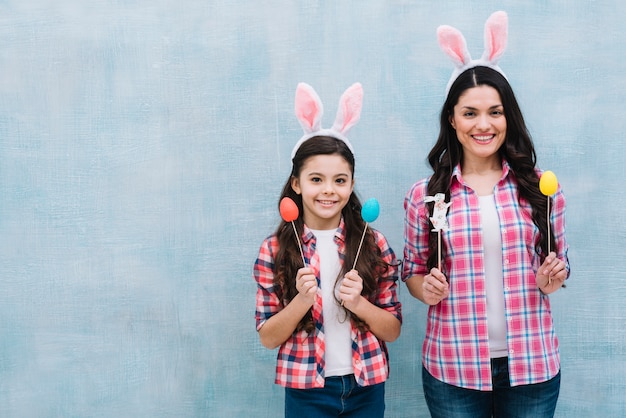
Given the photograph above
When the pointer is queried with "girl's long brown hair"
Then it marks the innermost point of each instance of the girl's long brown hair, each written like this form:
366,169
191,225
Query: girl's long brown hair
370,264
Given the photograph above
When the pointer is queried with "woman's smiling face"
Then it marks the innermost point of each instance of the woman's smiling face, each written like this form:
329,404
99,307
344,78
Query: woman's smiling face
479,122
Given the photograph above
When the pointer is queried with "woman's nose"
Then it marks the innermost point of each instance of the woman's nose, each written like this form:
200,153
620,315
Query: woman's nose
483,122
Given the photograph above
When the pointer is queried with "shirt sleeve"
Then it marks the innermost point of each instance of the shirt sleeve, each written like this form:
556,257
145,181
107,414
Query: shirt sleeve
387,295
416,232
267,301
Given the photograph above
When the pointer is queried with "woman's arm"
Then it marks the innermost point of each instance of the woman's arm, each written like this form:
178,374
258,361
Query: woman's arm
431,288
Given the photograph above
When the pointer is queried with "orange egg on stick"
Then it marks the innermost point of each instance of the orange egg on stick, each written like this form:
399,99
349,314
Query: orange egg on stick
289,212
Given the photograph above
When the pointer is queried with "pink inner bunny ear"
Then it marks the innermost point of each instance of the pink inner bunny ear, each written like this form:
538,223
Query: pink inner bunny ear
452,42
496,32
349,111
309,108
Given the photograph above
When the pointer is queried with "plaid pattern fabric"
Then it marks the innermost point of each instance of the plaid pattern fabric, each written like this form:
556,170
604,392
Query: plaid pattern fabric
456,347
300,361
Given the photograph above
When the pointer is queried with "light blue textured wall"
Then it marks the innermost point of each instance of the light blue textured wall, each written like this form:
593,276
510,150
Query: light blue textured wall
143,145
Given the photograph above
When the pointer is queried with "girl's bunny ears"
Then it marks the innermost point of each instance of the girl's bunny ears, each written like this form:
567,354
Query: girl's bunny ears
453,44
309,111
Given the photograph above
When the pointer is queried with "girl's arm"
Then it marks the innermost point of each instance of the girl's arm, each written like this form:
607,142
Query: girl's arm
384,317
281,326
383,324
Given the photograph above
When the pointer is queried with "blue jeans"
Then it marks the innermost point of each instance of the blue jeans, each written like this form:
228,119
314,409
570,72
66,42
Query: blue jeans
341,396
526,401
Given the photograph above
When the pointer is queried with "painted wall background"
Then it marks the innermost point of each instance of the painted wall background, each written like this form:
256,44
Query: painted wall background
143,145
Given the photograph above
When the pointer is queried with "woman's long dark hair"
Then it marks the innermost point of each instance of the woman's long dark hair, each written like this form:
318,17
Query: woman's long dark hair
370,264
518,150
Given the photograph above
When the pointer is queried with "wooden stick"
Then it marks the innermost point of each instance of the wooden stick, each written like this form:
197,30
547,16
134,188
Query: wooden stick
360,244
439,249
299,245
548,218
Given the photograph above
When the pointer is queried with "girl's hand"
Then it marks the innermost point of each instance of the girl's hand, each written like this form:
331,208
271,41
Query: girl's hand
306,284
551,274
350,290
435,287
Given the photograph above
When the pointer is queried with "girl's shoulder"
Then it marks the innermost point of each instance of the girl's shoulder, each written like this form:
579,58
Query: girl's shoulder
270,244
380,237
381,242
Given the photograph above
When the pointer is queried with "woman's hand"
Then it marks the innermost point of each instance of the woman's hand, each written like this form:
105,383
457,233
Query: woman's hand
306,284
551,274
350,290
435,287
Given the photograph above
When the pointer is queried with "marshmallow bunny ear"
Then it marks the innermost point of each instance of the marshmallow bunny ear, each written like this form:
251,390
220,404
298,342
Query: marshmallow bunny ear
452,42
496,32
309,108
349,110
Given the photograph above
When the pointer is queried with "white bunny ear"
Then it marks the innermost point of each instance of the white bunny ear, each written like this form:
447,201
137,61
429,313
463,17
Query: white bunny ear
349,111
309,108
452,42
496,32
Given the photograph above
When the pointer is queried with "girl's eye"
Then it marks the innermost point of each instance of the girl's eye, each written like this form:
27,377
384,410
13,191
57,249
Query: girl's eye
341,181
316,179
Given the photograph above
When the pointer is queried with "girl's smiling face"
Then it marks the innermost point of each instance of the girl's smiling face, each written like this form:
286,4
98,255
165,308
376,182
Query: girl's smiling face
325,183
479,122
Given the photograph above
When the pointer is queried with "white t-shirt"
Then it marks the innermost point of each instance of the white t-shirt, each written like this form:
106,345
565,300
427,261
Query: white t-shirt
492,243
337,327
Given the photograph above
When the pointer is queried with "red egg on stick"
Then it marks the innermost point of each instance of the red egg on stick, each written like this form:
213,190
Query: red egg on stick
289,212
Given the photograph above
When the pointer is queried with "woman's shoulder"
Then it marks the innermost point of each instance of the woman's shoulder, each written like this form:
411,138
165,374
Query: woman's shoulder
417,192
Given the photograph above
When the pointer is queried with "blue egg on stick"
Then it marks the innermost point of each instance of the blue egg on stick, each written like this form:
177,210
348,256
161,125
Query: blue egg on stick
370,210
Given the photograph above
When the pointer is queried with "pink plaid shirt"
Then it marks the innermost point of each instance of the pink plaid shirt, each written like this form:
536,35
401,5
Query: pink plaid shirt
300,362
456,347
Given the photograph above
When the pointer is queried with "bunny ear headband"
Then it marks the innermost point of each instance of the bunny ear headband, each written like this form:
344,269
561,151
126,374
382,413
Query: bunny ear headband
452,42
309,110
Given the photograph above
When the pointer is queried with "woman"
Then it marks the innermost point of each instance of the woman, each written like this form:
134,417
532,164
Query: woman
490,346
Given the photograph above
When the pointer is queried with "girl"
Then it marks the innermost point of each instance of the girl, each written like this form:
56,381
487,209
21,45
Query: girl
330,321
490,348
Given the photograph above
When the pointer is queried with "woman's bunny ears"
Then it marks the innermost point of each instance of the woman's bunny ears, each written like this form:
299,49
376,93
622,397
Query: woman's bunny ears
309,111
452,42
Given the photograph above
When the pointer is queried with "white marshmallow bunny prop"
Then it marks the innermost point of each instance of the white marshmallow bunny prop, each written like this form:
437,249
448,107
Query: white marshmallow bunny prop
309,111
453,43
